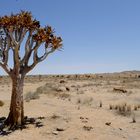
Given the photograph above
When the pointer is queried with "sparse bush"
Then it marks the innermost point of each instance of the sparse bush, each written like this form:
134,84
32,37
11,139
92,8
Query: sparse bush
129,108
87,101
123,109
80,92
40,90
116,107
48,89
63,95
31,96
1,103
54,116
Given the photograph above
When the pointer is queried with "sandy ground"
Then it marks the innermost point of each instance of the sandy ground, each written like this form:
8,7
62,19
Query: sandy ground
77,107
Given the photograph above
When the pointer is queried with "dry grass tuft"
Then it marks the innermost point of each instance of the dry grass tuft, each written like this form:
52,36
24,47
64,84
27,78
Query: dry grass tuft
111,107
133,118
85,101
121,109
54,116
88,101
101,104
78,101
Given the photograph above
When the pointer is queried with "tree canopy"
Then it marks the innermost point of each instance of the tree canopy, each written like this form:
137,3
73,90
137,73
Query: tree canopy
13,30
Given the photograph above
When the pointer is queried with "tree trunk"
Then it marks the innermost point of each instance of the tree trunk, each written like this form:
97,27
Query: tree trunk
16,115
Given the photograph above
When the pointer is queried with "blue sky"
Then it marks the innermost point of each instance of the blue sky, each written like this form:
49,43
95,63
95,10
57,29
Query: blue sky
98,35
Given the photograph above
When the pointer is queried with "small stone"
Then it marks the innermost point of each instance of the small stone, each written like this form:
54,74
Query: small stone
60,129
87,128
120,128
62,81
81,118
67,89
108,123
55,132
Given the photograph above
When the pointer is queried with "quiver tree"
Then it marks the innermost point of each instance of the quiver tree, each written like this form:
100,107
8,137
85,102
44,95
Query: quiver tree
21,37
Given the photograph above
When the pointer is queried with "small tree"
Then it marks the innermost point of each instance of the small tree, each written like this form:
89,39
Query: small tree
21,37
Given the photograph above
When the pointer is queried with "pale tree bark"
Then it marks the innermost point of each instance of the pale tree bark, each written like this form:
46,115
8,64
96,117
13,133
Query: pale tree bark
16,115
20,68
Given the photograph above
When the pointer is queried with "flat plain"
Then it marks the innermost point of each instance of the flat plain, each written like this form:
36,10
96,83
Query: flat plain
77,107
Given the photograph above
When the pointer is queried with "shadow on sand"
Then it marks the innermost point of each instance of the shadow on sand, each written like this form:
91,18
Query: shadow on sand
4,130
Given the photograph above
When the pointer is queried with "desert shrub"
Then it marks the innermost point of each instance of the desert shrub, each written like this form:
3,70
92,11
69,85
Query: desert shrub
48,89
31,96
1,103
63,95
40,90
121,109
86,101
54,116
80,92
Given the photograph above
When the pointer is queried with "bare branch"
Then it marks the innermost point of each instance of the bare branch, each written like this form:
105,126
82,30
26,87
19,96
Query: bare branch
15,48
44,56
22,34
40,59
35,57
12,38
7,50
28,47
6,68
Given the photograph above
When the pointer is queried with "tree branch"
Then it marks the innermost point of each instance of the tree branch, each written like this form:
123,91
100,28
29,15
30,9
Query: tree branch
15,48
12,38
6,51
39,59
22,34
6,68
28,47
44,56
